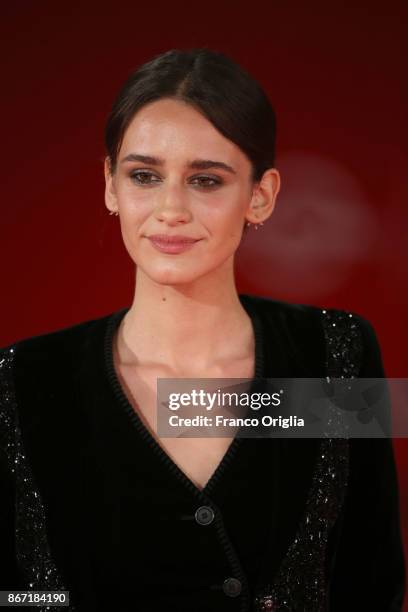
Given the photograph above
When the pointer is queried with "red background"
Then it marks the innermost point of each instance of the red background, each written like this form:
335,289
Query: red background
336,75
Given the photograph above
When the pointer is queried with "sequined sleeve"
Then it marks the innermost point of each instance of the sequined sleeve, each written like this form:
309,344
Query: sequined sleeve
9,577
26,561
369,568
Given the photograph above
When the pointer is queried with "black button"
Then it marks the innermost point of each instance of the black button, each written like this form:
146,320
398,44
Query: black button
204,515
232,587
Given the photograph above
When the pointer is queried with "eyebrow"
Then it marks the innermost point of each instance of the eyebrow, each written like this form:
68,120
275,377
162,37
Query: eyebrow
198,164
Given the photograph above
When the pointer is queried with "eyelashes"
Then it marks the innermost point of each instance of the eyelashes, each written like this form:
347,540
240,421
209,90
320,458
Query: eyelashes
142,179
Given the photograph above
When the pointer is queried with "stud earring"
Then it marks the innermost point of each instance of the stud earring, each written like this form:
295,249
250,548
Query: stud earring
112,212
255,224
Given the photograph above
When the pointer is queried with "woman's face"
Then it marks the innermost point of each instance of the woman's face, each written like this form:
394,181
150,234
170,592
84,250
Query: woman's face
163,193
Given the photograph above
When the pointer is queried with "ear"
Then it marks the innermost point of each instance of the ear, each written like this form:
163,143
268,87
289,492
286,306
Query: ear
110,188
264,197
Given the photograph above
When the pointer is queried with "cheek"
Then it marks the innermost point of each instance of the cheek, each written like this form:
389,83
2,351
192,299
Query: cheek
229,220
134,209
132,225
132,197
222,210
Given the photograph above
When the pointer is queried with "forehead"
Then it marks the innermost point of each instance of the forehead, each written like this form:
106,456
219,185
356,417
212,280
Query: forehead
174,127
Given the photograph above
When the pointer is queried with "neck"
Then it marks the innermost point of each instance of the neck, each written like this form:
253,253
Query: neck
172,325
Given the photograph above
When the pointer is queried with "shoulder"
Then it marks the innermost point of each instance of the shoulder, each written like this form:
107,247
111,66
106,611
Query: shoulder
346,338
300,315
47,375
65,335
303,312
41,354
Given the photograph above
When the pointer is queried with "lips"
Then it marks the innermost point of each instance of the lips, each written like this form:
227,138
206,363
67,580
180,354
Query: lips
172,245
169,239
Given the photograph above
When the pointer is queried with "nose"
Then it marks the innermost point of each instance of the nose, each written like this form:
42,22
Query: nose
172,205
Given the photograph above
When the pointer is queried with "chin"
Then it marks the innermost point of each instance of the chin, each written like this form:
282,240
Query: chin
173,276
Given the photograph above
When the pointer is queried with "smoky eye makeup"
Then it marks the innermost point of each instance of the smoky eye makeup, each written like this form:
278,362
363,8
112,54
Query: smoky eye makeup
142,177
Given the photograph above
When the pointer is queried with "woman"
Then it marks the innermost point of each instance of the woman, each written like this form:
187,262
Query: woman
121,518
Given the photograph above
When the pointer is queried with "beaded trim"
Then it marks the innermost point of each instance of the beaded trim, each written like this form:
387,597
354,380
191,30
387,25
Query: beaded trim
301,582
33,555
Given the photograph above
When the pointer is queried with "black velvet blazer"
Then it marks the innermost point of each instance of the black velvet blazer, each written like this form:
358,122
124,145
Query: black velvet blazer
91,503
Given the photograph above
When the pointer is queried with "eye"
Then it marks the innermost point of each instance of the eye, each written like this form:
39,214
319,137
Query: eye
208,181
141,177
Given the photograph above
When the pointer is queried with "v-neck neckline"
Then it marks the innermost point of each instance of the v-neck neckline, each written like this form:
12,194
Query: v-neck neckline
113,322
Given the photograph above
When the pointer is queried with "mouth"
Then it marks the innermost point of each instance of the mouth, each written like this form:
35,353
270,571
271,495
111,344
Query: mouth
166,243
169,238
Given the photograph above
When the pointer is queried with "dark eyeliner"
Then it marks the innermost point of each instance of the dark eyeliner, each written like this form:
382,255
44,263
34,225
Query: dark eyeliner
216,181
135,173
